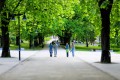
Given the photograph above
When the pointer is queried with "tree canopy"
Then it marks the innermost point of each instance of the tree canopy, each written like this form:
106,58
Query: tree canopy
53,16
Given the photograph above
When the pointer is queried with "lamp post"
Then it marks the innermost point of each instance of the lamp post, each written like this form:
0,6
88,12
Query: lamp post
24,18
19,36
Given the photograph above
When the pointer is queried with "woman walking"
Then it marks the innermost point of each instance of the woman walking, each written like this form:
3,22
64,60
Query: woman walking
51,49
55,49
67,49
73,49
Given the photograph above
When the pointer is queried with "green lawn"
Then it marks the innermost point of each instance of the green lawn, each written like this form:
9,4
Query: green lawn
25,45
47,39
84,48
80,47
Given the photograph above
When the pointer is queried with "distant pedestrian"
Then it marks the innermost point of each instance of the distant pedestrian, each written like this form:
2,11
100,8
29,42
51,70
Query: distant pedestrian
50,49
58,44
55,49
67,49
73,49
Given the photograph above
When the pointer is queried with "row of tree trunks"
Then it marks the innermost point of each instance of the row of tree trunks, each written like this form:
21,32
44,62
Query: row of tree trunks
36,41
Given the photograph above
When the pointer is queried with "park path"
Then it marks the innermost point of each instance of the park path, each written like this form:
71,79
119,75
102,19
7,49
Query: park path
37,65
42,67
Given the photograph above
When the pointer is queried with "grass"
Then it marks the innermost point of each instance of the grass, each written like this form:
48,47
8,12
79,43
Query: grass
47,38
22,45
81,47
117,50
25,45
13,47
84,48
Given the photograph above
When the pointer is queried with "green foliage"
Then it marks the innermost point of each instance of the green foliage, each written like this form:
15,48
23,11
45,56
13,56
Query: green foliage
115,23
105,4
85,25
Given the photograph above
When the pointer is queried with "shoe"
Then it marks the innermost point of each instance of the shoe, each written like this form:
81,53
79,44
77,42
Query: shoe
50,55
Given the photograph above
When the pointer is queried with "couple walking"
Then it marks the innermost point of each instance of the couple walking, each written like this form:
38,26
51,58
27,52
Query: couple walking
53,47
72,49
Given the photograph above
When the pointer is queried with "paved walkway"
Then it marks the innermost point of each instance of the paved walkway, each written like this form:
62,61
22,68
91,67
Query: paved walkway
8,63
37,65
93,58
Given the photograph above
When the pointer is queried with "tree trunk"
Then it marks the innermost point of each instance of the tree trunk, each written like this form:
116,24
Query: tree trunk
86,42
36,40
40,38
42,41
2,3
0,41
67,37
5,36
17,40
105,32
30,42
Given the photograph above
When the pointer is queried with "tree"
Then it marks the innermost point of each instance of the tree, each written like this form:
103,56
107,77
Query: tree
86,27
105,9
6,16
45,11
